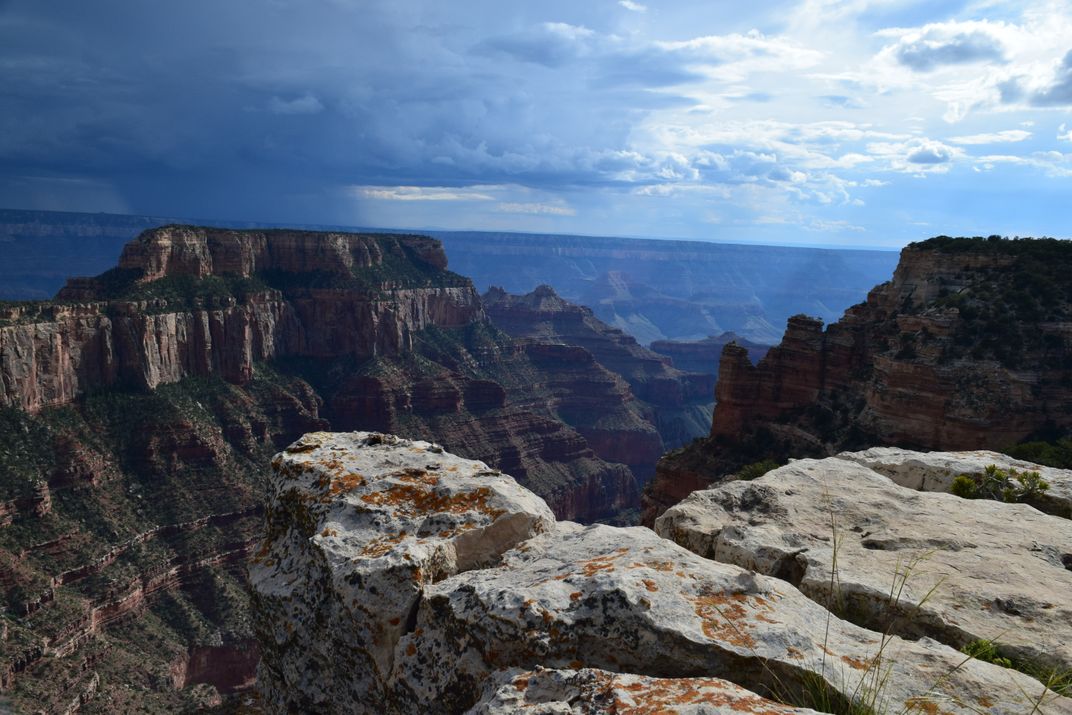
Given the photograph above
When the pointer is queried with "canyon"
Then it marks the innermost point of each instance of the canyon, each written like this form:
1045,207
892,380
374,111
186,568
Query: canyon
140,407
967,347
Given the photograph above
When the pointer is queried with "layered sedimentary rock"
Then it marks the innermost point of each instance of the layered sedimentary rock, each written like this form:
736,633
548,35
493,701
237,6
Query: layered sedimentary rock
395,578
894,559
966,348
678,290
676,403
129,588
183,305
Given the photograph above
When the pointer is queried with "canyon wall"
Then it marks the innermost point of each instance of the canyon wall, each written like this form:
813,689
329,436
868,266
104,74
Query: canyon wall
967,347
674,406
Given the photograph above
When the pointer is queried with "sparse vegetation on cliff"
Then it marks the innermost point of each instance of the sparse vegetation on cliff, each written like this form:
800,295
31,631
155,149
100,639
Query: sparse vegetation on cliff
1000,485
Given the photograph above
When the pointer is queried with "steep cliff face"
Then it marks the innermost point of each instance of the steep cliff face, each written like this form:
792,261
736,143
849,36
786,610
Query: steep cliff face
140,409
966,348
675,402
195,301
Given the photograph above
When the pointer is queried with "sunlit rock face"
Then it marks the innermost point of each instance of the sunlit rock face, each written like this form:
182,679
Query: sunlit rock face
396,578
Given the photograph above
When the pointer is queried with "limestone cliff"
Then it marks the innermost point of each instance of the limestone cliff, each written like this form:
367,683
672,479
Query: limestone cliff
396,578
966,348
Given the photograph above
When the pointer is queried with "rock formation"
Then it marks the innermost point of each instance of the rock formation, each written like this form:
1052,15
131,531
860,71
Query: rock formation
915,563
676,403
396,578
137,413
966,348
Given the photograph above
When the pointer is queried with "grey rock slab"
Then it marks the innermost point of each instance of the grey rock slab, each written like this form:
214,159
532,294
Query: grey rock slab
625,600
919,563
545,691
935,471
357,525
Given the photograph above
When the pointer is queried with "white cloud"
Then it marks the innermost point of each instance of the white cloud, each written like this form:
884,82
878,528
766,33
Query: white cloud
1063,133
1006,136
536,208
918,156
423,193
947,43
634,6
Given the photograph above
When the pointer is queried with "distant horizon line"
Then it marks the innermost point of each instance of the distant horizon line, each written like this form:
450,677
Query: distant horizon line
250,223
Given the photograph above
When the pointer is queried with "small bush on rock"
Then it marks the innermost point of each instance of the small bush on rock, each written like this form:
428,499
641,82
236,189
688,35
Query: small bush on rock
1000,485
756,469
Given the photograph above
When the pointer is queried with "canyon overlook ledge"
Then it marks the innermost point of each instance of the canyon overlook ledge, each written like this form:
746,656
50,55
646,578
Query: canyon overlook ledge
398,578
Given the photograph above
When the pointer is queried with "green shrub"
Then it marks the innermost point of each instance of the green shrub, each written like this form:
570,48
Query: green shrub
986,651
756,469
1000,485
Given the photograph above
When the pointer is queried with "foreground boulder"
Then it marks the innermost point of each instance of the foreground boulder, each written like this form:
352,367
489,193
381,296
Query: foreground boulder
396,578
916,563
358,525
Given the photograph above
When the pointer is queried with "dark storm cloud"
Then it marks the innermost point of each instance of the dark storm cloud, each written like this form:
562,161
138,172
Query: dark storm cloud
171,101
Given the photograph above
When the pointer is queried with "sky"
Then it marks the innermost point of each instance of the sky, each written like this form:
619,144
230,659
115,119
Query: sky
866,123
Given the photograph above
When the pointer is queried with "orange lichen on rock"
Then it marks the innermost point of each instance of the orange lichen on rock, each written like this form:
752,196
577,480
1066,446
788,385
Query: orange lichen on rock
417,499
665,696
726,616
855,662
382,546
346,483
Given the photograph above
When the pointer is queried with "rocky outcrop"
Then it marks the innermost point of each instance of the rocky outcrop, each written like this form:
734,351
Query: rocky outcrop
966,348
894,559
198,252
396,578
703,356
157,329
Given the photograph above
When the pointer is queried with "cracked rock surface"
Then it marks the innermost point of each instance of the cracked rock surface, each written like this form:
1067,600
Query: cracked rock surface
396,578
919,563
